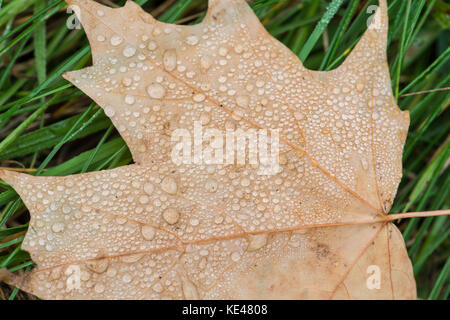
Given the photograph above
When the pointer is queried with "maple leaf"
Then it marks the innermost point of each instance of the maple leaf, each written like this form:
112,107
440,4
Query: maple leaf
318,228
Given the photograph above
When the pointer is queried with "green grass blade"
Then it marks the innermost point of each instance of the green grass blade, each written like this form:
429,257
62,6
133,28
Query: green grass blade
441,280
320,27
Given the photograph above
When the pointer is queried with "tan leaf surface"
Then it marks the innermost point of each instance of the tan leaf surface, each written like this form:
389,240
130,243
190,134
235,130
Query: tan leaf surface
156,230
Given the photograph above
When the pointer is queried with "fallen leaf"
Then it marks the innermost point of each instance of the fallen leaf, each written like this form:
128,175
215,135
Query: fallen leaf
316,229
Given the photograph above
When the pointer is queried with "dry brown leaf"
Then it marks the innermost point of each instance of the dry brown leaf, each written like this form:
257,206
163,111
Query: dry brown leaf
316,229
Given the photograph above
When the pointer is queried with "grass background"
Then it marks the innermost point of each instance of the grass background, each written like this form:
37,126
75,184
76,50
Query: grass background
48,127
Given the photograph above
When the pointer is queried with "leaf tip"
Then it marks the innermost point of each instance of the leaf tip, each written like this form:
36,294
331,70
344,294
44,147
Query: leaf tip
9,176
19,281
229,11
8,277
68,76
74,77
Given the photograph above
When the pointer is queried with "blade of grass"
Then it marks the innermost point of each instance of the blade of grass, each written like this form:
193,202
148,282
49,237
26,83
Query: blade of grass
40,44
7,71
23,126
435,66
97,148
16,250
13,8
50,135
441,280
402,51
320,27
70,134
175,11
343,25
434,240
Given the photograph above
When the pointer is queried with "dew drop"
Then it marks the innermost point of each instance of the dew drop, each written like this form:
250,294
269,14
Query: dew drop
152,45
260,83
194,222
158,288
192,40
131,258
66,209
242,101
156,91
109,111
170,59
211,185
99,288
257,242
148,232
58,227
238,49
189,290
336,138
148,188
375,116
299,116
127,81
205,62
129,99
199,97
359,86
143,199
169,185
126,278
245,182
116,40
129,52
111,272
171,215
98,266
235,256
223,51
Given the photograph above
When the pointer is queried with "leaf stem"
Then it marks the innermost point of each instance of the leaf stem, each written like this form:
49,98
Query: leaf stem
421,214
